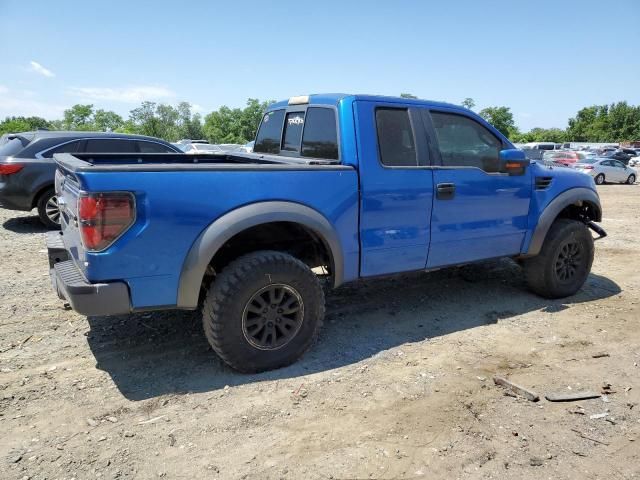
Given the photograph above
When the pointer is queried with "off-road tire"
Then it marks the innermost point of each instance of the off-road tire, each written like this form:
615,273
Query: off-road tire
599,179
44,199
544,271
231,293
631,180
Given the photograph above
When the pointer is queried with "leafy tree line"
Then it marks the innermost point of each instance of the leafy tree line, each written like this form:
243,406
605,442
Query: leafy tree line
617,122
225,125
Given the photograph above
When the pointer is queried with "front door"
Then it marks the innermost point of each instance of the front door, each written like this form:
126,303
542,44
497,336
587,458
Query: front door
478,211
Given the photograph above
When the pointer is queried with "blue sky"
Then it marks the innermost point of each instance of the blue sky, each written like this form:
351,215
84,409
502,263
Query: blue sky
544,59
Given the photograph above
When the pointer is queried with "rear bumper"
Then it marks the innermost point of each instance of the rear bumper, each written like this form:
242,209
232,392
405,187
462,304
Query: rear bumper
14,199
91,299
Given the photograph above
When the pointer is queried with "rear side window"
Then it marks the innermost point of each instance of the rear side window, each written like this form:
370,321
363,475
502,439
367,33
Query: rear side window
70,147
395,138
293,125
153,147
320,137
268,138
107,145
464,142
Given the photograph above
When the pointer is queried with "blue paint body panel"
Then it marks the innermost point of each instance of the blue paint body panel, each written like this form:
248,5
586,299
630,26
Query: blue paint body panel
387,220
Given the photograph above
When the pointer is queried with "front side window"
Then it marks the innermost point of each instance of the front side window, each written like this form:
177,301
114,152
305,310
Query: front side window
464,142
153,147
320,137
107,145
268,138
396,141
70,147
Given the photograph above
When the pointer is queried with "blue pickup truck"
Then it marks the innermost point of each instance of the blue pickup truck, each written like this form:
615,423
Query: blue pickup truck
338,188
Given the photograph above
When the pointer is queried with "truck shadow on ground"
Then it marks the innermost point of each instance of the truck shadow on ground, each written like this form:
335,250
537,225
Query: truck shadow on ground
25,225
159,353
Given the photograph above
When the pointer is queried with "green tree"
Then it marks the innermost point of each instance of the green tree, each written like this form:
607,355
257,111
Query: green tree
468,103
78,117
106,121
22,124
501,118
407,95
189,125
236,125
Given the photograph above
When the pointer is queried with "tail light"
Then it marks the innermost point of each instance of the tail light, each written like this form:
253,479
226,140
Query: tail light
103,217
10,168
588,167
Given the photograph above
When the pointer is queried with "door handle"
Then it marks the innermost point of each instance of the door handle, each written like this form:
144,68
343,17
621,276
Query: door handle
445,191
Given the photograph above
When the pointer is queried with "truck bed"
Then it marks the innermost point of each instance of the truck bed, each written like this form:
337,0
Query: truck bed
177,161
178,196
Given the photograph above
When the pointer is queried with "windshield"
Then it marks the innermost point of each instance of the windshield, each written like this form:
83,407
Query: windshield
11,147
589,160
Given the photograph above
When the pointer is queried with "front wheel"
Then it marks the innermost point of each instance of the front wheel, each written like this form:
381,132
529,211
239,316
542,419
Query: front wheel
632,179
263,311
564,262
48,209
599,179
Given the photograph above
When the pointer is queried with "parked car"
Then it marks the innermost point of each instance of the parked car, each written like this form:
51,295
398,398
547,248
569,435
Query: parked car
339,188
27,168
193,148
247,147
564,157
618,155
604,169
222,148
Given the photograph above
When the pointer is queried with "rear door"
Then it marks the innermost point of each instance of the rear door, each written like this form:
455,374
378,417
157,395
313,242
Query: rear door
478,211
396,188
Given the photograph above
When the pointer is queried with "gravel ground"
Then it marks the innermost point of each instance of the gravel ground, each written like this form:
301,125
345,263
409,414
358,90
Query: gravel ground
398,386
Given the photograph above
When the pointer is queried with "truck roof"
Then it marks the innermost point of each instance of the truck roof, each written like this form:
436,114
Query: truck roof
335,98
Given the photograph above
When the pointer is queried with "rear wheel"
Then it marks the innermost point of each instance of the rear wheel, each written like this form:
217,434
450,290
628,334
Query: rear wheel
263,311
48,210
564,262
599,179
632,179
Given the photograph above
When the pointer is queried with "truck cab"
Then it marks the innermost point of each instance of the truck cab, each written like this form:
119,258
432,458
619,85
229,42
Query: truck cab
338,188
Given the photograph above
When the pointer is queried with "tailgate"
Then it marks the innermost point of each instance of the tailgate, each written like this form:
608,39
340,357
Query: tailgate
68,191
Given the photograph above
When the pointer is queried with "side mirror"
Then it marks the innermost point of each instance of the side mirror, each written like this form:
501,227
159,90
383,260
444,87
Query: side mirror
513,161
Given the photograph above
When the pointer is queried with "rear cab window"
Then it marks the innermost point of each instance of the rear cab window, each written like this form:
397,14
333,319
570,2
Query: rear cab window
309,132
396,140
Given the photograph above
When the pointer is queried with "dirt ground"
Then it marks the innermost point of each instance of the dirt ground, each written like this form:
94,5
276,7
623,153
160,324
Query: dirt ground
398,386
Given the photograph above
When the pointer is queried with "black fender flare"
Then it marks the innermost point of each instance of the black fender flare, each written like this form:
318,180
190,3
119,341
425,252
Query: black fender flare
574,196
224,228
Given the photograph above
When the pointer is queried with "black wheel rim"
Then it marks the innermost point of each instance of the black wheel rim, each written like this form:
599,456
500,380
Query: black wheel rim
272,317
568,261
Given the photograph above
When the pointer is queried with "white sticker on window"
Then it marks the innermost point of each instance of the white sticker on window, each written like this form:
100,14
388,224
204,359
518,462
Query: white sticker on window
297,120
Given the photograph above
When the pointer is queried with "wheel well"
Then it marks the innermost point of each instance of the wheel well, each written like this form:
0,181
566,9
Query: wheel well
292,238
582,210
36,197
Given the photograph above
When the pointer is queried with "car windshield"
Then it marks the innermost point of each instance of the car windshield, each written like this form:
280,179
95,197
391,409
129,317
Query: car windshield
589,160
11,147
